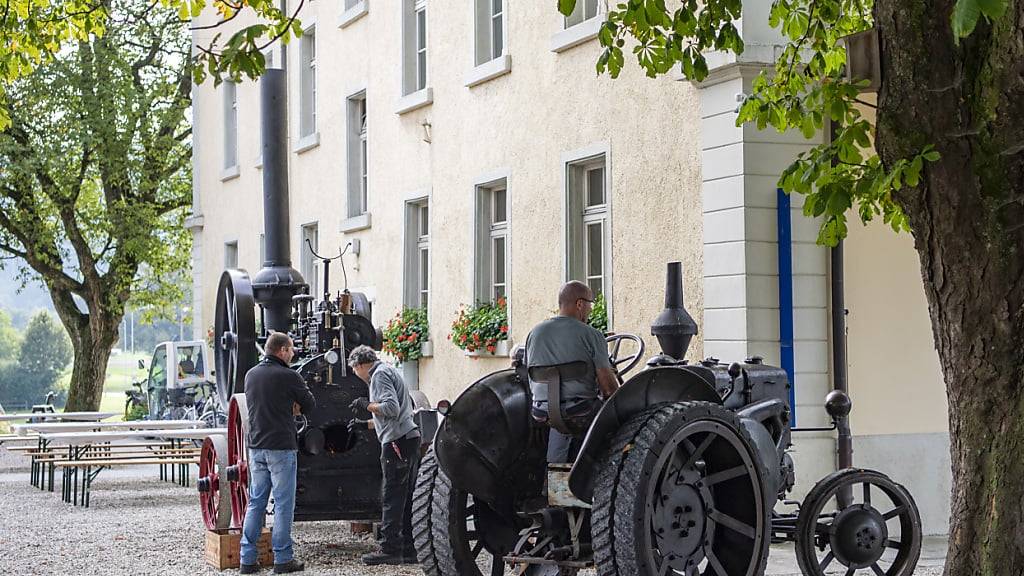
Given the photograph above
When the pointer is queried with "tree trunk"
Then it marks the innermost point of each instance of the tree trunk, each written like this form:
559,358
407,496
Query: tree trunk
967,216
92,336
89,371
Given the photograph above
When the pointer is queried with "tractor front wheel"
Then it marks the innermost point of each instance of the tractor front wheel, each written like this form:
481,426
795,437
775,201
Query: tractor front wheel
681,491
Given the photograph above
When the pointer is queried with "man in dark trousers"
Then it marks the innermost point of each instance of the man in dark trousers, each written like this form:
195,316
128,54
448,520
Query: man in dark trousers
272,389
392,410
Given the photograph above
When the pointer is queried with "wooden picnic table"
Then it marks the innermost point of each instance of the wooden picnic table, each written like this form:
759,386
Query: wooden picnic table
76,416
55,427
79,444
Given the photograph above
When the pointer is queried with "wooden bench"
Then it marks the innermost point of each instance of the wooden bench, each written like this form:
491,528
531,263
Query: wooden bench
43,458
91,468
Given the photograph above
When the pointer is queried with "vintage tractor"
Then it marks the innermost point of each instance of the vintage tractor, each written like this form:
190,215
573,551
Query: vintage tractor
679,473
339,474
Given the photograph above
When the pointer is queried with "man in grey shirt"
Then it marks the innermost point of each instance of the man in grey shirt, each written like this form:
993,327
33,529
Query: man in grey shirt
567,348
391,408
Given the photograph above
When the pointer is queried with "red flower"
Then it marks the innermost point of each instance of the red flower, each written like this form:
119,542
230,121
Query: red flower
504,329
491,349
501,302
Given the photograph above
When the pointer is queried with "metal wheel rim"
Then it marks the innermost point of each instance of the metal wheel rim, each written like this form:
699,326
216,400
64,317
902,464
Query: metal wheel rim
902,511
234,344
470,538
238,455
214,502
713,484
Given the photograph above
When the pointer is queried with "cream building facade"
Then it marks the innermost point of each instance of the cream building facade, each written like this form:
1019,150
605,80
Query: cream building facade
468,149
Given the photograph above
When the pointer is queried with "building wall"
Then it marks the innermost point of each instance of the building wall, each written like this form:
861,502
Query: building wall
664,141
522,123
900,413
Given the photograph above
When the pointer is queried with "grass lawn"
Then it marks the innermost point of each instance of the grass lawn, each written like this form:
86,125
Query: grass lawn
122,370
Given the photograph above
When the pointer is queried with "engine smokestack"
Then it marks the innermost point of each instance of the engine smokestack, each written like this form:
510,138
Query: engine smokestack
674,327
277,282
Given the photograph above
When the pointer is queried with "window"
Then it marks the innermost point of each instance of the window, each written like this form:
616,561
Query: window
490,30
492,241
417,271
308,261
230,124
414,45
307,83
231,254
584,10
588,226
352,3
358,164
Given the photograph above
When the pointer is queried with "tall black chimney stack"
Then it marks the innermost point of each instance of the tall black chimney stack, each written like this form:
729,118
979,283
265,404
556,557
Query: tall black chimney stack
277,282
674,327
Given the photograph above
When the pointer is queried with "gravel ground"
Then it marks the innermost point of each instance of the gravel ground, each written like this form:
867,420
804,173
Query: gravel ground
139,525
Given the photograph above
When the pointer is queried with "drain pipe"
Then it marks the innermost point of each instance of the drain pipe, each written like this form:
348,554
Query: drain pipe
840,384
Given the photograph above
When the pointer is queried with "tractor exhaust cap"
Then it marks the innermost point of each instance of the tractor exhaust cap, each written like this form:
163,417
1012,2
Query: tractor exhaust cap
674,327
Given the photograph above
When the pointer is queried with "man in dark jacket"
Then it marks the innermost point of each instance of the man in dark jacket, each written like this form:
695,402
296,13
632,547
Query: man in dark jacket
272,389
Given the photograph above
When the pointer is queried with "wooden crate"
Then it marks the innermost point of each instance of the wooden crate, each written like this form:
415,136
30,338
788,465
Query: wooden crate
223,548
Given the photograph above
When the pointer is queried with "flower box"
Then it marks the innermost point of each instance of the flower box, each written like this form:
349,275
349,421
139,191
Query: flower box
501,350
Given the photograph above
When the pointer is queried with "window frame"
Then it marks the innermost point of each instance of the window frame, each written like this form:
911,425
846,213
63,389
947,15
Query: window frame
486,22
416,248
307,83
307,261
578,216
230,111
581,6
230,253
486,232
357,155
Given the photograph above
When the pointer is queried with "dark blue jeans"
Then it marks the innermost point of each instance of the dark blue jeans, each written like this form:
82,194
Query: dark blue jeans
270,471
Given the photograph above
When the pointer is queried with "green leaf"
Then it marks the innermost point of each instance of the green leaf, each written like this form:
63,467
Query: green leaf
965,17
566,6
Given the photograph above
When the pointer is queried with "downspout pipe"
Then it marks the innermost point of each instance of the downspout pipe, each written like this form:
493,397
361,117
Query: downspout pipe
844,440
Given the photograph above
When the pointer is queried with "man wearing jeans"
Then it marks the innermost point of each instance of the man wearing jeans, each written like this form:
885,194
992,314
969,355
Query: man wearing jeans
272,389
391,408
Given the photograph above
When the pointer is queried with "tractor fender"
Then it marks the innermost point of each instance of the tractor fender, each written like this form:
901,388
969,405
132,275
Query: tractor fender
659,385
484,433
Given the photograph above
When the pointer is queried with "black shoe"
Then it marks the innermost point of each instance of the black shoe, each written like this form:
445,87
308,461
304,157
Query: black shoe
409,557
382,557
248,568
289,566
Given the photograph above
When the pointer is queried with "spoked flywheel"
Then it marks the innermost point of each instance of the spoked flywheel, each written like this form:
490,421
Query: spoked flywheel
681,491
858,522
234,333
214,496
238,458
455,536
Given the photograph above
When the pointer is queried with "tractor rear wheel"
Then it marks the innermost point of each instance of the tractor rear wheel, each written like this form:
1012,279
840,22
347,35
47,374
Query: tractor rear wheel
455,536
681,491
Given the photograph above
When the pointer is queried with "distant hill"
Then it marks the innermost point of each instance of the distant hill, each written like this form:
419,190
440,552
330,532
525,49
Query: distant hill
21,306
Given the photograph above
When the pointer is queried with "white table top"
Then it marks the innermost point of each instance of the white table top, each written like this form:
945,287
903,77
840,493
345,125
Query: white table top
76,416
54,427
84,438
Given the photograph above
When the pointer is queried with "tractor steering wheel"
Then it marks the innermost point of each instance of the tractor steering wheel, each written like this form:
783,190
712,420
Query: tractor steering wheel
630,360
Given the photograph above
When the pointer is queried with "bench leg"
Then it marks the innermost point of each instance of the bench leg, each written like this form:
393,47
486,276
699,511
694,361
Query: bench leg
53,467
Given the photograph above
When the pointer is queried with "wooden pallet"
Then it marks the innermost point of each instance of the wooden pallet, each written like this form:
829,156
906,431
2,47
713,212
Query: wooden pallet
223,548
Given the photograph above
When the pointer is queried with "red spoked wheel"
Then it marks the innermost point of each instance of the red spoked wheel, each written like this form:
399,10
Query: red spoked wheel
214,496
238,458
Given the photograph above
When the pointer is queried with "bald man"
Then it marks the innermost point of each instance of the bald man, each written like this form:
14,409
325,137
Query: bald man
581,355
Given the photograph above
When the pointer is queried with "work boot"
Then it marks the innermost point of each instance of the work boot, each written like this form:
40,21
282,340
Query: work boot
382,557
288,567
409,557
248,568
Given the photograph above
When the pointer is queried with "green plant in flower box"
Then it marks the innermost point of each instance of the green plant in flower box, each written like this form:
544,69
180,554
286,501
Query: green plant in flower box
405,334
481,327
